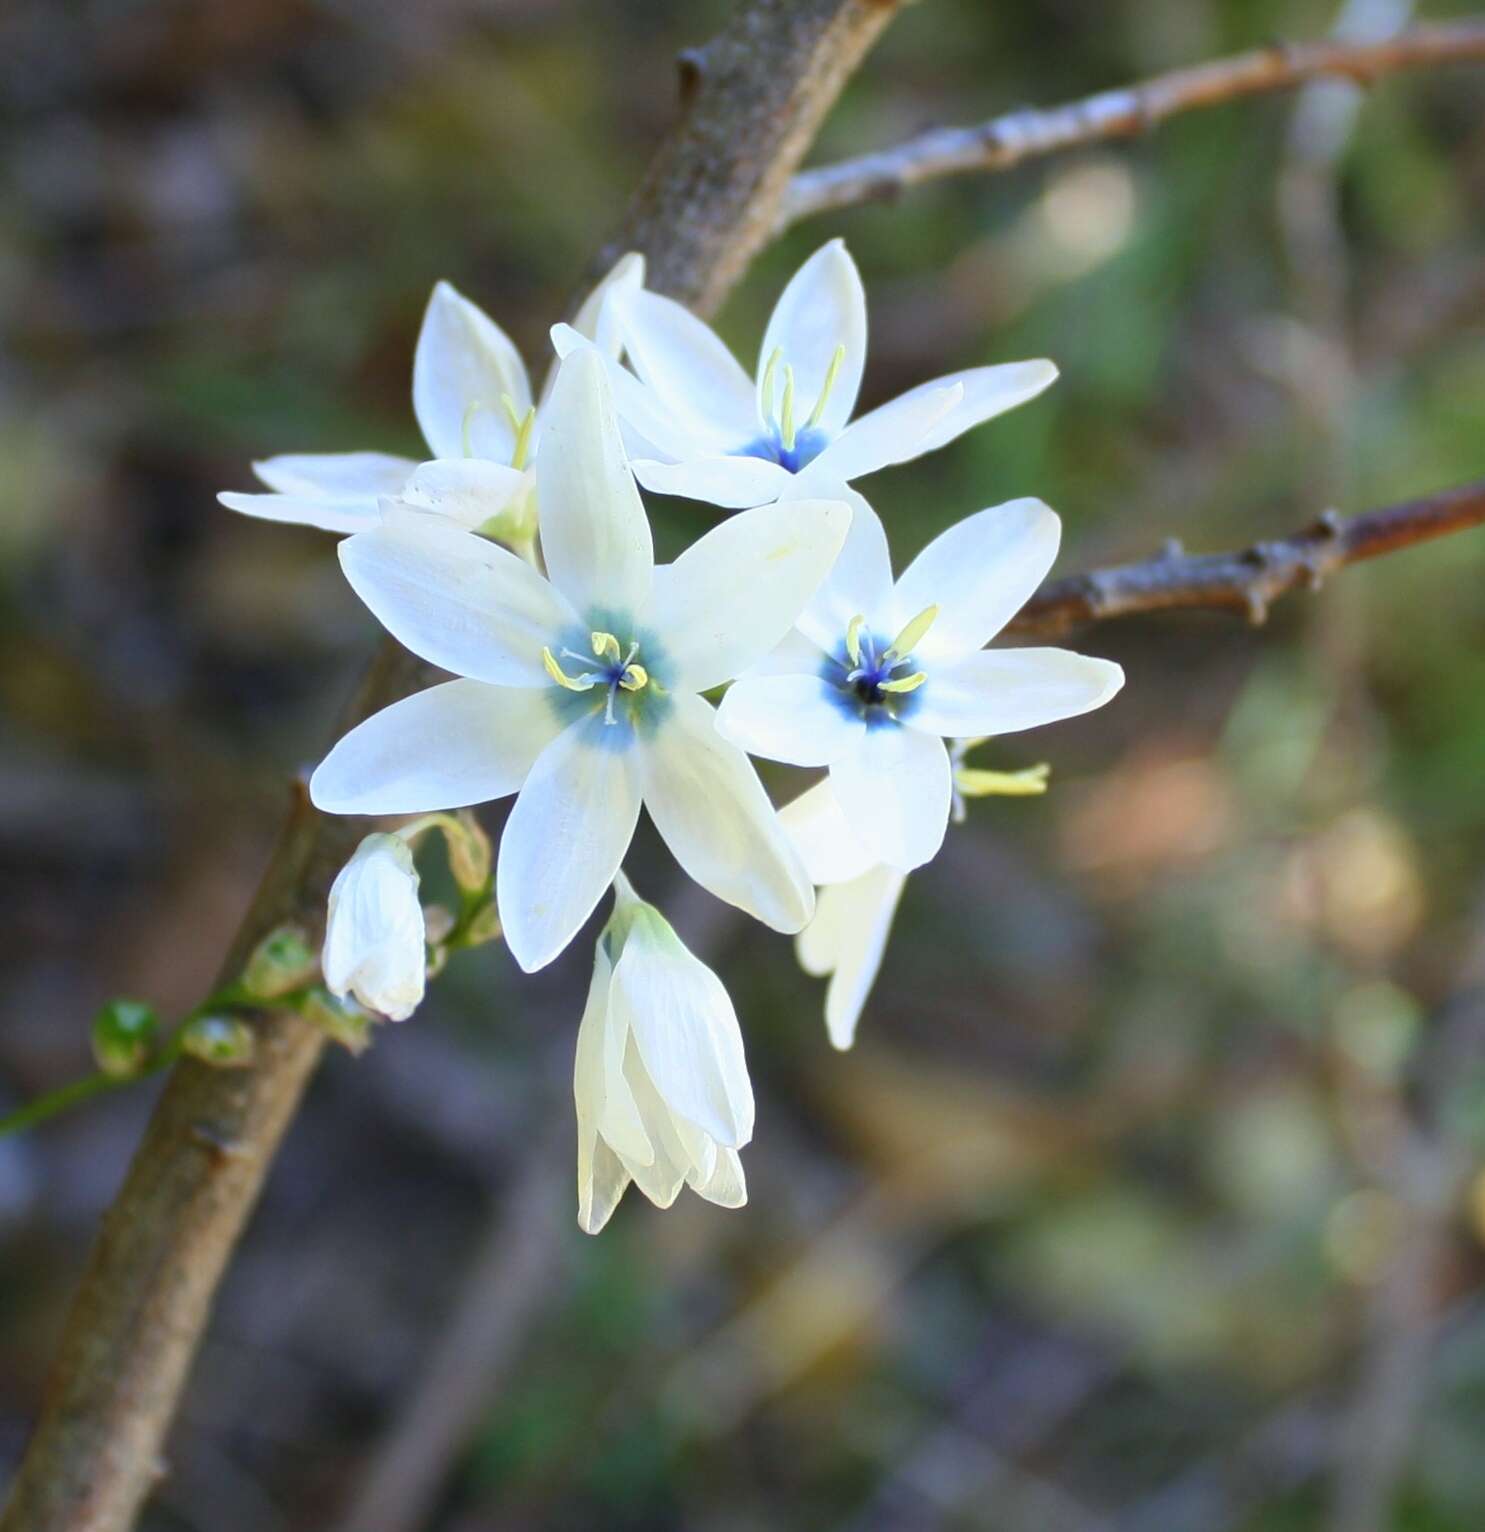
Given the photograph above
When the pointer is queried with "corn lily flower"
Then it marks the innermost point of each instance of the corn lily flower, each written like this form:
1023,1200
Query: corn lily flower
857,898
582,690
661,1086
472,399
375,940
715,434
879,674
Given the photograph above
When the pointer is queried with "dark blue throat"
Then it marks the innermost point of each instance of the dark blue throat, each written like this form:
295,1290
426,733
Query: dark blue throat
808,445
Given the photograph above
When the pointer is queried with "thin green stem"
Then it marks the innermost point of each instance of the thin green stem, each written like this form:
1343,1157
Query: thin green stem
54,1103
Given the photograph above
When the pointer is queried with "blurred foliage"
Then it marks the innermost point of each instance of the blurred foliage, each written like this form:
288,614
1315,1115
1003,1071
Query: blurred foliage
1150,1197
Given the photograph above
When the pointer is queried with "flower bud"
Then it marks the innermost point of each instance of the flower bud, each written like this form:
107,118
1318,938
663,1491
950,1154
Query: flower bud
281,962
224,1041
375,940
123,1037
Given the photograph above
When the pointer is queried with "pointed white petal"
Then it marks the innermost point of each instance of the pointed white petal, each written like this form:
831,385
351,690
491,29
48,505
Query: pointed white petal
733,594
797,719
793,655
895,793
846,940
696,376
565,838
595,319
891,433
663,1176
683,1023
708,804
595,536
997,691
727,1186
602,1182
466,490
453,745
463,364
733,483
988,391
822,307
831,851
860,580
305,510
605,1104
457,600
642,412
374,935
335,475
978,574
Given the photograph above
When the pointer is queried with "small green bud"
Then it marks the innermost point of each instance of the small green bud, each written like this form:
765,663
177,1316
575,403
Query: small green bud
343,1021
469,851
483,927
281,962
224,1041
123,1037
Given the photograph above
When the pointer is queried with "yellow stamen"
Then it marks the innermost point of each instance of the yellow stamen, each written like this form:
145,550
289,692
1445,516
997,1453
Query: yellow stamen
831,373
903,644
605,646
522,450
766,388
974,783
904,683
470,411
635,678
853,637
560,676
786,411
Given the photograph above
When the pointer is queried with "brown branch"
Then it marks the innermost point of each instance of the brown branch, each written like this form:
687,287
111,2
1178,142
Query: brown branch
756,96
1250,580
1006,141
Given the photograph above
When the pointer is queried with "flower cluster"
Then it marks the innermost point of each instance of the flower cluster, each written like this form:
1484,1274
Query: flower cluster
518,558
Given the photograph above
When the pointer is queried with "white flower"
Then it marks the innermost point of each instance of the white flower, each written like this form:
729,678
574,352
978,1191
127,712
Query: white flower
374,934
879,674
582,691
472,399
717,435
662,1090
858,897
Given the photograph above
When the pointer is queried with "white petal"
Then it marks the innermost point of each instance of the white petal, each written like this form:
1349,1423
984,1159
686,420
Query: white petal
565,838
602,1182
305,511
641,410
708,804
831,851
460,743
359,476
595,320
605,1105
374,934
797,719
662,1177
733,483
846,940
463,364
891,433
466,490
988,391
696,376
793,655
822,307
595,536
997,691
733,594
895,793
727,1187
457,600
860,580
686,1030
978,574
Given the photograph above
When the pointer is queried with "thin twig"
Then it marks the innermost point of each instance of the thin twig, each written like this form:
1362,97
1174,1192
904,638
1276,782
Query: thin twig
1250,580
1009,140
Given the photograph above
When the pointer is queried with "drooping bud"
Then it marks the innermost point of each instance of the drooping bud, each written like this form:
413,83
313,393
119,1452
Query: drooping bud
225,1042
123,1037
281,962
375,946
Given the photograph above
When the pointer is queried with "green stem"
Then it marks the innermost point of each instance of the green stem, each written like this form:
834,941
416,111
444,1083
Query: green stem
61,1099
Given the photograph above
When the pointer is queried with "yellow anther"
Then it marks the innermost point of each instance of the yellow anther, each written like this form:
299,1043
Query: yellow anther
853,637
904,683
635,678
522,425
831,373
766,388
786,410
974,783
605,646
560,676
904,642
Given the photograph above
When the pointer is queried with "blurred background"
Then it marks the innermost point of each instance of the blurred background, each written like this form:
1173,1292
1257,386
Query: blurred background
1150,1199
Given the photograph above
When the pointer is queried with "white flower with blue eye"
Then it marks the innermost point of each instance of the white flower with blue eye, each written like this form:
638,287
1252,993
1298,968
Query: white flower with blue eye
580,690
472,399
375,938
880,673
662,1090
715,434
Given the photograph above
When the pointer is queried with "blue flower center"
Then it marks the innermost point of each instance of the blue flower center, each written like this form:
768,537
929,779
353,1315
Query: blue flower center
808,445
874,683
